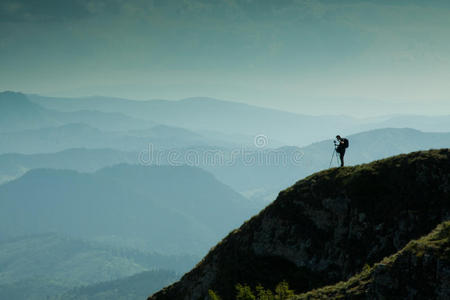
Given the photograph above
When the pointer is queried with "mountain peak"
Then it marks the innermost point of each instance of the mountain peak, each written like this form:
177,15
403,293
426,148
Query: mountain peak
13,100
325,228
18,112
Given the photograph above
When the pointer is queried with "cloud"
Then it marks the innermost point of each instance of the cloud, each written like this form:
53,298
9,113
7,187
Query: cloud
58,10
43,10
333,42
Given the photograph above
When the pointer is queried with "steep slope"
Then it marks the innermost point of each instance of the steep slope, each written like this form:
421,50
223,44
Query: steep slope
167,209
421,270
326,227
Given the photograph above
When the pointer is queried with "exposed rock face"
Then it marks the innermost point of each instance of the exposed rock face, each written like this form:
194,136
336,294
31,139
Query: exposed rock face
419,271
325,228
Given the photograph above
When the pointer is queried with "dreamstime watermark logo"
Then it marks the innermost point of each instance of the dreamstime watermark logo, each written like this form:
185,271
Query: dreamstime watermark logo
261,140
259,155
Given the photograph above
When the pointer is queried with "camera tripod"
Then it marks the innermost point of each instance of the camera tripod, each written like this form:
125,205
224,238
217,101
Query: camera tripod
332,156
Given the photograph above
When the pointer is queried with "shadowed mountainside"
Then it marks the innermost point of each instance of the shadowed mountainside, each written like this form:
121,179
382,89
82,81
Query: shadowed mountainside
325,228
421,270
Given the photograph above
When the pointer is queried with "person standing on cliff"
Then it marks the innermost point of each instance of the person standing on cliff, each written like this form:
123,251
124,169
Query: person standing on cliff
340,148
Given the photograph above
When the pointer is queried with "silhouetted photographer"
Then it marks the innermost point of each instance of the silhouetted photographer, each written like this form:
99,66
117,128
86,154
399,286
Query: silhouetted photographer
341,144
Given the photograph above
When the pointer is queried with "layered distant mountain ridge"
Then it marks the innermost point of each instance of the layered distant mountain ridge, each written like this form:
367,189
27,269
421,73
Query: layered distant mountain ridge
104,185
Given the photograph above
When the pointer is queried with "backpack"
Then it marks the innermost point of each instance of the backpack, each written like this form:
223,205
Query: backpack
345,143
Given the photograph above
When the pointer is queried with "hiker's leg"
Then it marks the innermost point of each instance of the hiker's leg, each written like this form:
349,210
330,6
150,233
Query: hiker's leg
342,158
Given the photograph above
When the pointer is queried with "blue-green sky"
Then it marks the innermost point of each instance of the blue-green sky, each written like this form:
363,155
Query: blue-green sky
297,55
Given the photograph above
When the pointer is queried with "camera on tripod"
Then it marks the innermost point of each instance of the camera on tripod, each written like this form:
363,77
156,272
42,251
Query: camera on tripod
335,150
